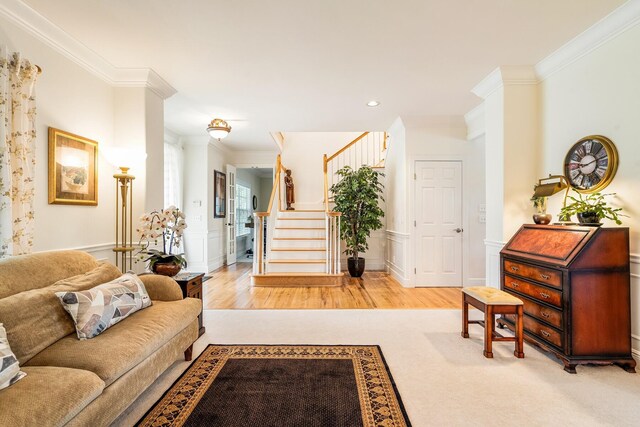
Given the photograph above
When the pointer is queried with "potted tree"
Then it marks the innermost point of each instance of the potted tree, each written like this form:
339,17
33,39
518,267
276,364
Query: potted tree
591,209
356,195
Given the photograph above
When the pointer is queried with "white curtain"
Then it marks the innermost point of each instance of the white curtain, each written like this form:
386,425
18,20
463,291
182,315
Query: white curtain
173,175
17,153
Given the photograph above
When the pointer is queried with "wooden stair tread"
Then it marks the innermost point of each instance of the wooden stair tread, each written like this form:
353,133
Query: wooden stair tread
301,219
300,228
297,261
299,249
298,238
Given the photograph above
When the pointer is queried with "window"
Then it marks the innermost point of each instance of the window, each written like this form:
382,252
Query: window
243,209
172,175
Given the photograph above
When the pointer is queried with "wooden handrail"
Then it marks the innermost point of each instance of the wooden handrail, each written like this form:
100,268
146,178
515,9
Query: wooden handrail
276,185
340,151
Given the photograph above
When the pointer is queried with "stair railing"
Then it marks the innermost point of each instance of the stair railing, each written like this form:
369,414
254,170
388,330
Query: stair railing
370,148
265,222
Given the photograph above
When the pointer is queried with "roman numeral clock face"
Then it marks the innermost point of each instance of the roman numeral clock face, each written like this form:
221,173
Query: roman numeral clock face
591,164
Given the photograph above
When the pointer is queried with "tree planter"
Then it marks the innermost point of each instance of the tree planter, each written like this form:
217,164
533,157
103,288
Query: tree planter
355,266
588,218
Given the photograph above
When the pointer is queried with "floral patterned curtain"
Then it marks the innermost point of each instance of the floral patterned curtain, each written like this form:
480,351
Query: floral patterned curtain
17,153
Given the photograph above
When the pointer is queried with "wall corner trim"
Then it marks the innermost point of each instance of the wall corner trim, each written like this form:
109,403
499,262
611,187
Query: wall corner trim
475,122
55,37
617,22
505,75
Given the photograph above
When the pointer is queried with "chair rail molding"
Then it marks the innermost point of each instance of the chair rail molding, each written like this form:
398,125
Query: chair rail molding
55,37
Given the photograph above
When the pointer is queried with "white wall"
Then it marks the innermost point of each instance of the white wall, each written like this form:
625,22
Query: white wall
302,153
71,99
600,94
266,186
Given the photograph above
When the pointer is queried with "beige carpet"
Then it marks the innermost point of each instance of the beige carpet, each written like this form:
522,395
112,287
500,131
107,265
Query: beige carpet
442,378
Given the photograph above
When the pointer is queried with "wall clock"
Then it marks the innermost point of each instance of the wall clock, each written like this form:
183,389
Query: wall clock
591,164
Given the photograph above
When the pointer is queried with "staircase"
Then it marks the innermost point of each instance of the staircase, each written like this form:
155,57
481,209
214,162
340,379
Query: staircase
302,247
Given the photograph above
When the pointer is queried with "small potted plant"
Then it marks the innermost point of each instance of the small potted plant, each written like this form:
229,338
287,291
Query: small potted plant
591,209
168,224
540,205
356,195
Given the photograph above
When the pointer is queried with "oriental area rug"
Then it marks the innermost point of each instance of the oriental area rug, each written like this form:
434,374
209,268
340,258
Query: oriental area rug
282,385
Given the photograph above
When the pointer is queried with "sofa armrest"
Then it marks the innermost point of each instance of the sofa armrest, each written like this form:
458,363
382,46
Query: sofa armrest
161,288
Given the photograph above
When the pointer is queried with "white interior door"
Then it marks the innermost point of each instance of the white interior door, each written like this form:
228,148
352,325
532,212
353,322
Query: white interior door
231,214
438,224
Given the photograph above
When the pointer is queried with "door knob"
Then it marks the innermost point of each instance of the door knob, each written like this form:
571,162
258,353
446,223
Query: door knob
458,230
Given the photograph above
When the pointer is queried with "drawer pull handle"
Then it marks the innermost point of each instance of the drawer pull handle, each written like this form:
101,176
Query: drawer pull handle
545,295
514,268
545,334
544,276
545,314
514,284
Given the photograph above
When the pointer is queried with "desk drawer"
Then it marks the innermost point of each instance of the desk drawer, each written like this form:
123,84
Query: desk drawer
194,290
549,315
545,333
539,274
539,293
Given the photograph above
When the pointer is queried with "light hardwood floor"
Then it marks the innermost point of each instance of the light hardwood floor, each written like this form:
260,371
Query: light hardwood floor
230,288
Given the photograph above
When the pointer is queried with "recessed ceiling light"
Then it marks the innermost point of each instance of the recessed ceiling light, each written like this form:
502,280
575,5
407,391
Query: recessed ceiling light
373,103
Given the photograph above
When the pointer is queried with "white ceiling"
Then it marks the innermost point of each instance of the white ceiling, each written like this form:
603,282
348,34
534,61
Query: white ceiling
292,65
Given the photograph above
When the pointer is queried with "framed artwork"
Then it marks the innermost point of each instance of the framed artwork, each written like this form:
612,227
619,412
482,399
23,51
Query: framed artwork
219,194
73,169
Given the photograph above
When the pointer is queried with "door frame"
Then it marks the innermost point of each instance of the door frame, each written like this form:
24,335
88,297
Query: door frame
229,225
411,259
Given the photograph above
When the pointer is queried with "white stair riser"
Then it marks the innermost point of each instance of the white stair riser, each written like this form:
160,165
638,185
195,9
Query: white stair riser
314,244
300,214
279,232
298,255
296,268
303,223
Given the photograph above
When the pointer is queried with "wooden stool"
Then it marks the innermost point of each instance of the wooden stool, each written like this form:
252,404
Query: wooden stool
492,301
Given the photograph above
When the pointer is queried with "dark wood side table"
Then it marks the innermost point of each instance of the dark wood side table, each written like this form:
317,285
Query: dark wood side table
191,285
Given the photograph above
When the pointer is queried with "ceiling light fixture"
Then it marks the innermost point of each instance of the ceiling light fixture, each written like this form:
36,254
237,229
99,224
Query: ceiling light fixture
373,103
218,129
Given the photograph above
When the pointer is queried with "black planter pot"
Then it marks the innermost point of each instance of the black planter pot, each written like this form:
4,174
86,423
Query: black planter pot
356,266
588,218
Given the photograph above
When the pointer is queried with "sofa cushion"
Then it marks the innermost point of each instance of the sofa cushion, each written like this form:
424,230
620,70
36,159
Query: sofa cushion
48,396
35,319
101,307
9,367
123,346
26,272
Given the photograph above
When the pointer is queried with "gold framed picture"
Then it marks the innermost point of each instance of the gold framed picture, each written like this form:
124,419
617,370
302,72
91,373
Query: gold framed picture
73,169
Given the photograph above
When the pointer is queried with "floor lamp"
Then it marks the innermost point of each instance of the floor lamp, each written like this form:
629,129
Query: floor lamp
124,219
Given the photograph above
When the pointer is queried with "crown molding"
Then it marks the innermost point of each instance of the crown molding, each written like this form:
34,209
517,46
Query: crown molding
505,75
617,22
55,37
475,122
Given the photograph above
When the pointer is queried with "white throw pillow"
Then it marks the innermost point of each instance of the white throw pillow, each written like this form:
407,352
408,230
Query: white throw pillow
103,306
9,367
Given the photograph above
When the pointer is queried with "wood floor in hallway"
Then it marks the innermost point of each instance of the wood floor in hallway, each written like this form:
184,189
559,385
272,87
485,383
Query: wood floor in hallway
230,288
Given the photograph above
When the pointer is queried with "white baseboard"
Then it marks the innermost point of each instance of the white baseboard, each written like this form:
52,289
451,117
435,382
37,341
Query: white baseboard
398,275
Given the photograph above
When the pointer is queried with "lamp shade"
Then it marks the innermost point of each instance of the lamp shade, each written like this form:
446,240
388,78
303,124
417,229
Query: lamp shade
218,129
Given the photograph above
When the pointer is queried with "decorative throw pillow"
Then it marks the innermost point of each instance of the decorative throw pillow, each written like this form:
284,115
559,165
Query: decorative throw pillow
9,367
99,308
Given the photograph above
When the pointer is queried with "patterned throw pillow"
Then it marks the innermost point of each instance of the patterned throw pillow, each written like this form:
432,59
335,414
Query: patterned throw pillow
9,367
99,308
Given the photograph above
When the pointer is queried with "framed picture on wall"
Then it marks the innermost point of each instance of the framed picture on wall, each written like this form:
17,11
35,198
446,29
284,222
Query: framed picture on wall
219,194
73,169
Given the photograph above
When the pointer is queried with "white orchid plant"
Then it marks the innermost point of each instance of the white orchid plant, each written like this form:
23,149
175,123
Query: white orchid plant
168,224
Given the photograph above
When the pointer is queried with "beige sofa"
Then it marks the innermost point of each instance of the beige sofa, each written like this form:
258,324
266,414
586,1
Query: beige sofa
80,383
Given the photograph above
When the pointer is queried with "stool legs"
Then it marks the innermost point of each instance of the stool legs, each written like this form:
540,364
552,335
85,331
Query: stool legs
519,351
465,318
489,329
